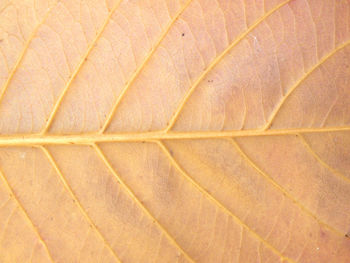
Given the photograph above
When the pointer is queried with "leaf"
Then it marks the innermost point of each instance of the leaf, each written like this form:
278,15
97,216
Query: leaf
175,131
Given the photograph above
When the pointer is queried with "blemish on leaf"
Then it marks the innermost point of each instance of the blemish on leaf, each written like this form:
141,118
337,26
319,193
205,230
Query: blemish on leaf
23,155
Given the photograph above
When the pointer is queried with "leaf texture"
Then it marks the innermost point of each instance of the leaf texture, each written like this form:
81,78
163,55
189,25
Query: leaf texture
175,131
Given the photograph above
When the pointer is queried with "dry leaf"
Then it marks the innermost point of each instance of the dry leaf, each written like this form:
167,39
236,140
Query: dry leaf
175,131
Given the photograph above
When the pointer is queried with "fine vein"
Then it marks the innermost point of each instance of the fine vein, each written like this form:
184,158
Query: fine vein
82,210
7,184
323,163
297,84
77,69
280,188
217,60
140,68
137,201
24,51
217,202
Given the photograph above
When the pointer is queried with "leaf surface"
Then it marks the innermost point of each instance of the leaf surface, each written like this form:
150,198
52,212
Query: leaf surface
175,131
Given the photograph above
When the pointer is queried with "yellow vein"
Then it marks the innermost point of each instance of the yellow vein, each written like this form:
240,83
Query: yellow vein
82,210
7,184
137,201
217,60
6,224
240,245
88,138
140,68
77,69
297,84
280,188
215,201
323,163
5,6
21,56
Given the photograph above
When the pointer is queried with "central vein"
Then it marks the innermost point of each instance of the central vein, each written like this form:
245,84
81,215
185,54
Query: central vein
37,139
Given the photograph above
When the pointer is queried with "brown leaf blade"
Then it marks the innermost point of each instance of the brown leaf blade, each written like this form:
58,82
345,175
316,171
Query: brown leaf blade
175,131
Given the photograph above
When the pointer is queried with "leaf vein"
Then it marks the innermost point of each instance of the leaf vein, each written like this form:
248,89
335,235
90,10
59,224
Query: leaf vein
24,51
320,161
139,69
138,202
70,191
89,138
9,188
77,69
297,84
216,61
217,202
281,189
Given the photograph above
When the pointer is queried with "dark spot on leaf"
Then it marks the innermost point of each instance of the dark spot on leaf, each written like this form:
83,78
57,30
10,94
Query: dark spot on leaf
347,234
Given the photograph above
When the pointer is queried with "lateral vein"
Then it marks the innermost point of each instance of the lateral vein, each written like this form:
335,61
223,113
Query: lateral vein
140,68
217,60
24,51
216,202
77,69
82,210
281,189
9,188
320,161
138,202
301,80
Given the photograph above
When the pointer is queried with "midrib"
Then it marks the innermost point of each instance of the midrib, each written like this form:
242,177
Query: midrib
90,138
